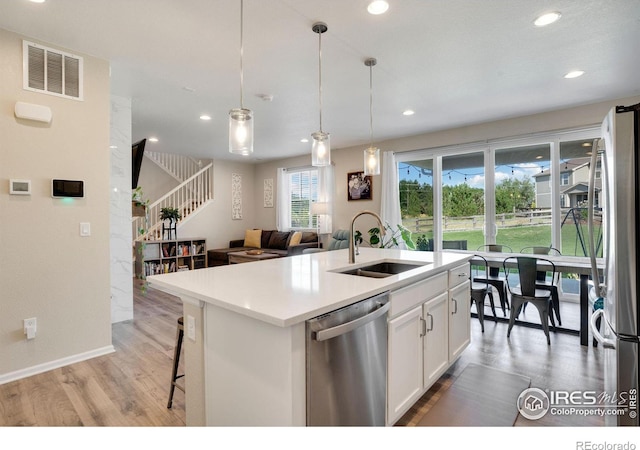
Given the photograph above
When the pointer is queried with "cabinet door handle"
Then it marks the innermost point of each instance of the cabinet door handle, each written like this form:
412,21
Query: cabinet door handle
430,316
423,327
462,274
455,302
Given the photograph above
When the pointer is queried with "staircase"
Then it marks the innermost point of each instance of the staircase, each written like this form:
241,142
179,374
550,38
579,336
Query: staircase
179,167
194,191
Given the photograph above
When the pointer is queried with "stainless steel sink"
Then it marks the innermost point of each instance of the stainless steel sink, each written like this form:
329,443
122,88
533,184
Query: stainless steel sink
382,269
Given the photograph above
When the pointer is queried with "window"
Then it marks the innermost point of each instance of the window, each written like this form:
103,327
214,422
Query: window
303,190
523,196
564,178
416,200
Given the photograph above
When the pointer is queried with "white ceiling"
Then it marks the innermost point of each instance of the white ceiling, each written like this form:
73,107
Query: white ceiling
454,62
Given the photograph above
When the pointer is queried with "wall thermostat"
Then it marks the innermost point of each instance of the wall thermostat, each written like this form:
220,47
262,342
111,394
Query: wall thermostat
20,187
67,188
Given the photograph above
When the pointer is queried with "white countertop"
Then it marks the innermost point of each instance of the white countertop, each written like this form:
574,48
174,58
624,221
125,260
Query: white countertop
290,290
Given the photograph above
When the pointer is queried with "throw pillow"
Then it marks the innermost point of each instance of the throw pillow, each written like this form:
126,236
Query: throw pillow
279,240
252,238
296,237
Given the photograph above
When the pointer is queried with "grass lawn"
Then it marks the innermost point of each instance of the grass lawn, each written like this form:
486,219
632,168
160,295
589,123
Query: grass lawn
519,237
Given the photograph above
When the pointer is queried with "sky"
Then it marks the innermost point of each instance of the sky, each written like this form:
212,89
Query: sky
474,176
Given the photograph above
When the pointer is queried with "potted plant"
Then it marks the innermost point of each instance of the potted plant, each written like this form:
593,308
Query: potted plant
422,243
390,237
171,214
138,203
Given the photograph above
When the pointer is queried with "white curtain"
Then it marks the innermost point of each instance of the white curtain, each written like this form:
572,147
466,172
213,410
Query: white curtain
326,194
390,198
283,204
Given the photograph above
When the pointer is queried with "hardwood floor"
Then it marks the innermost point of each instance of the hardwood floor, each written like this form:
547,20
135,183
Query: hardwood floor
130,387
127,388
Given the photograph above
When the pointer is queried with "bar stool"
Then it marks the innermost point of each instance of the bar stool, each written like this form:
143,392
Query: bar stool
176,361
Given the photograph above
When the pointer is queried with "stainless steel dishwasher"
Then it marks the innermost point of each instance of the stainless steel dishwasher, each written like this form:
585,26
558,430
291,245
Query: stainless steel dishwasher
347,365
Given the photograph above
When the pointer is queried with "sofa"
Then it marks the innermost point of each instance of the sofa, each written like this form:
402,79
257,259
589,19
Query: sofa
281,243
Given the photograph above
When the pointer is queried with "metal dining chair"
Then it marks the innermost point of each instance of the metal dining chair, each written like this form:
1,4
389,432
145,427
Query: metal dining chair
494,278
480,290
528,291
543,281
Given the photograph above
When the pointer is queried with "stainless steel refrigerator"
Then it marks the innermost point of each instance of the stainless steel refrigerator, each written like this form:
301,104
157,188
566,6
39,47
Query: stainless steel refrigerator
620,286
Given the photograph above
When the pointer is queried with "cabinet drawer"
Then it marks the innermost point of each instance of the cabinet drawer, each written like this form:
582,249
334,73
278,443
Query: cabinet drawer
410,296
459,275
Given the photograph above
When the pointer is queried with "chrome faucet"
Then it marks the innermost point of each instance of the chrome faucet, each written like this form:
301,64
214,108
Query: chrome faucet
352,251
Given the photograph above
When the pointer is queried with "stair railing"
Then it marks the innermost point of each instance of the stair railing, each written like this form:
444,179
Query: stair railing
187,197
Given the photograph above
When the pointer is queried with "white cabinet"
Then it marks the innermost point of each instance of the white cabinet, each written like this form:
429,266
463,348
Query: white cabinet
404,374
408,346
429,327
459,320
436,335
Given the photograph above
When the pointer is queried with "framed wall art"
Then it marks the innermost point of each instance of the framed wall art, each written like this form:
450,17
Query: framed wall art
268,193
236,196
359,186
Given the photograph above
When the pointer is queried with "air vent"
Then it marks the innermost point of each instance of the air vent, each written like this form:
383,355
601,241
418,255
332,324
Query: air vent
52,71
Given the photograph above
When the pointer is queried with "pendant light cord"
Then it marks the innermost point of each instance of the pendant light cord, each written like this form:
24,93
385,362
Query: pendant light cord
371,105
320,75
241,52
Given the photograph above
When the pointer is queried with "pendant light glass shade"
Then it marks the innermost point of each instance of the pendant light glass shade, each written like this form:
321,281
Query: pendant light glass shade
372,161
241,119
371,154
321,147
241,131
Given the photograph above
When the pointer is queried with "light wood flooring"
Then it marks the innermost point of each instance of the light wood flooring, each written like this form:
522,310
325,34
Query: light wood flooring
130,387
127,388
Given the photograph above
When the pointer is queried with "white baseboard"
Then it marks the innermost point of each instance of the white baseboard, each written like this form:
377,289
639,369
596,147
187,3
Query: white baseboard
40,368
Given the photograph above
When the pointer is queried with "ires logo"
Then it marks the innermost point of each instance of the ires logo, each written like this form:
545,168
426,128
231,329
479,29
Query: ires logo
534,403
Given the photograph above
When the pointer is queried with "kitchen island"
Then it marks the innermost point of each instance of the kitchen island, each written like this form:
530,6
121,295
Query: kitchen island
245,327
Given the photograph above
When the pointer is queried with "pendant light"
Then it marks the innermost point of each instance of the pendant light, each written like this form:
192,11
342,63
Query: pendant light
321,148
371,154
241,119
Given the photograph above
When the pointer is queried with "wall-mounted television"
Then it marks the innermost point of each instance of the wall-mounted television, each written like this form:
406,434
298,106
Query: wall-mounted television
137,152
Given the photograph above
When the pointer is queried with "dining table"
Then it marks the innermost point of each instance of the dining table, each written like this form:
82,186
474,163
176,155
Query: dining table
580,266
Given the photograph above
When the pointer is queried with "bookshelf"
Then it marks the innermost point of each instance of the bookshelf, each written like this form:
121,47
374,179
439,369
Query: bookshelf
156,257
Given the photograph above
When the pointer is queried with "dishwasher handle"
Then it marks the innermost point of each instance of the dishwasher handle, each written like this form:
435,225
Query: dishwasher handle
344,328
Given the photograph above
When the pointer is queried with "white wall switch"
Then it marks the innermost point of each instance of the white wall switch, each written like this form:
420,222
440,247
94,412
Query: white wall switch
191,328
30,327
85,229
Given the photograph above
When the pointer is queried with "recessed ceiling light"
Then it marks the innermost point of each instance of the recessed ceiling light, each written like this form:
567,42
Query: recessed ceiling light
205,117
408,112
586,144
304,140
547,19
153,139
37,1
574,74
113,146
378,7
539,157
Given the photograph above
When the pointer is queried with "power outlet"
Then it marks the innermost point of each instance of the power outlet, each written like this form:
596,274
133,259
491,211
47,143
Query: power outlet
30,327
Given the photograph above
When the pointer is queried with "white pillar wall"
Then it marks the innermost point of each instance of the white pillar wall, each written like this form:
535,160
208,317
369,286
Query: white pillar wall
120,211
